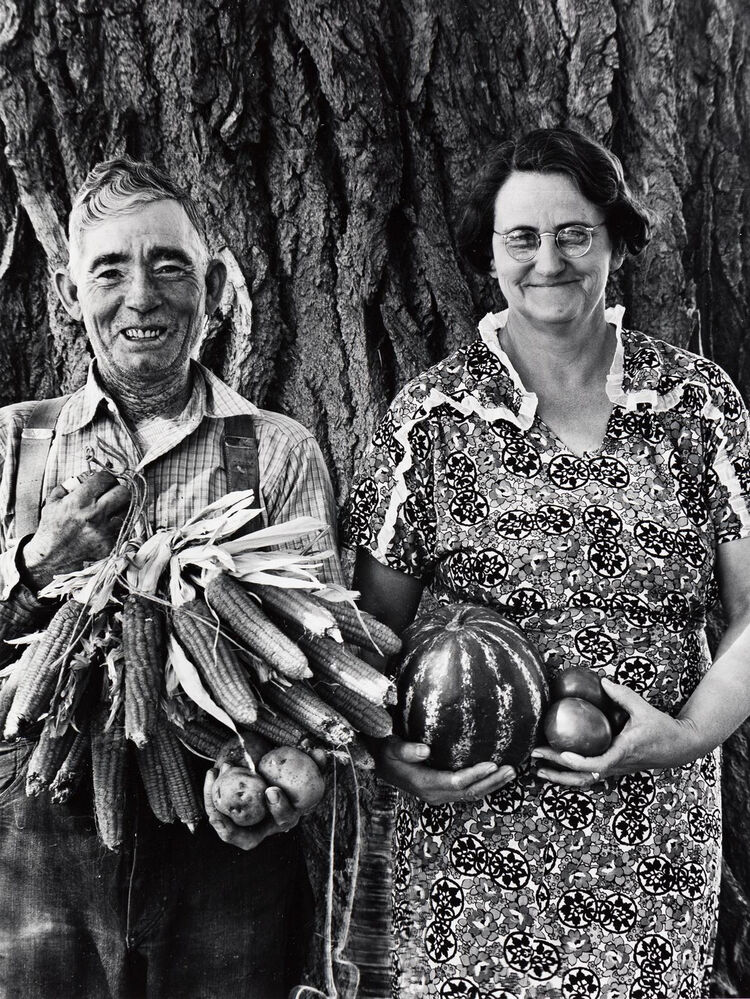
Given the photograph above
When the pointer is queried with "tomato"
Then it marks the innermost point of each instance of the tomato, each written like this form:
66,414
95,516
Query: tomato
578,681
577,726
617,715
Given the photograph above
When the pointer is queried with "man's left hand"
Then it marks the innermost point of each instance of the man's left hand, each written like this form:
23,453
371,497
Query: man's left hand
651,740
282,817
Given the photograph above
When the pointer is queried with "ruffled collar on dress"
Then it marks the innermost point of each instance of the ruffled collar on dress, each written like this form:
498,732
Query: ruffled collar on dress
636,378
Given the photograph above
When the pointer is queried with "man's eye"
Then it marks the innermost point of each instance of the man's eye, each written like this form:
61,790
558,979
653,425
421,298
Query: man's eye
168,270
109,275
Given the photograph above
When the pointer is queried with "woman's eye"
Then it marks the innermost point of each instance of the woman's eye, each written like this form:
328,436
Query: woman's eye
573,235
522,238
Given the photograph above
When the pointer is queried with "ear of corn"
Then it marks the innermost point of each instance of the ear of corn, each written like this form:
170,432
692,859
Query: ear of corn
294,605
144,652
355,753
202,736
47,758
332,662
241,613
360,755
259,668
72,769
8,692
305,707
154,782
275,726
369,633
22,615
214,658
40,665
177,776
366,717
108,765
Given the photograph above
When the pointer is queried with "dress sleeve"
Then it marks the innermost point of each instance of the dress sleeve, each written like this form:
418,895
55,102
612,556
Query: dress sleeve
728,451
391,507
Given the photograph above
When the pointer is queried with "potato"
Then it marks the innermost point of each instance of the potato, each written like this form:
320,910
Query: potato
240,795
296,774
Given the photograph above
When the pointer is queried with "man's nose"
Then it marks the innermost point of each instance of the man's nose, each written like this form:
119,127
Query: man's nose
142,293
548,258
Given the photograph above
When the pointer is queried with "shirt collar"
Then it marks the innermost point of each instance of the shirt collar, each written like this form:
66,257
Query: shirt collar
211,397
640,377
504,384
636,376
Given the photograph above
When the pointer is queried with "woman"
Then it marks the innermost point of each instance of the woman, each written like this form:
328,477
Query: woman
590,483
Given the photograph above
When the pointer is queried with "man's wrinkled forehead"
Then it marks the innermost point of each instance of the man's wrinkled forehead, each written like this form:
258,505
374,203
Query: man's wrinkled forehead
160,226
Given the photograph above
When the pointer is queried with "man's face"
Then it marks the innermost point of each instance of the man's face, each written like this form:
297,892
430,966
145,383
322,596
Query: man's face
141,283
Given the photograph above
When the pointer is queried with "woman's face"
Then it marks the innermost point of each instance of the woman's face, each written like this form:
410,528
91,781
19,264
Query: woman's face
550,289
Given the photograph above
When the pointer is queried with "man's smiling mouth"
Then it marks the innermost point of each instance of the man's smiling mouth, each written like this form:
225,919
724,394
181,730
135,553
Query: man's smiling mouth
142,333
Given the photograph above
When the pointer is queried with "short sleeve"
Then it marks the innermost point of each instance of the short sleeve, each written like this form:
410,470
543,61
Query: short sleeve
390,511
728,450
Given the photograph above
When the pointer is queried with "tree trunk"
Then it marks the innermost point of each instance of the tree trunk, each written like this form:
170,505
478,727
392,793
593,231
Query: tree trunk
328,143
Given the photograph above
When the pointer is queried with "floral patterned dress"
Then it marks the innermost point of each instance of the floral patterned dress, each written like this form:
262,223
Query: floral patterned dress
607,560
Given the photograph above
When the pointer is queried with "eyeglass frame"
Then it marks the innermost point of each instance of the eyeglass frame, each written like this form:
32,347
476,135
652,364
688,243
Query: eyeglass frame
568,225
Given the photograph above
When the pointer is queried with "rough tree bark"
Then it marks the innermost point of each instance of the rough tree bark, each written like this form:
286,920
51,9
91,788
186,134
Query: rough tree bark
328,142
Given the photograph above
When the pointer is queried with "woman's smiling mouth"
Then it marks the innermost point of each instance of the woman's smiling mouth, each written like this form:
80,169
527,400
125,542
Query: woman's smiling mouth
550,284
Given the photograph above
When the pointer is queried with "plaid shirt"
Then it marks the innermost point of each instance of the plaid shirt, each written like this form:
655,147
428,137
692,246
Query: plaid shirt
183,469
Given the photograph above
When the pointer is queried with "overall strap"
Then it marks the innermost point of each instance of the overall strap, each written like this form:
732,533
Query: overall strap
241,460
36,441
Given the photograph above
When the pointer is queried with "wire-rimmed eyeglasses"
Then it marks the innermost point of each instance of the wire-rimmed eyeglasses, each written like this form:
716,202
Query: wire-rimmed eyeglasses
571,240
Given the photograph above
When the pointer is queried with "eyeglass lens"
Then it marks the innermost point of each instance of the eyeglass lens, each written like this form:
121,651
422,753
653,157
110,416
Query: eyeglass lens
572,241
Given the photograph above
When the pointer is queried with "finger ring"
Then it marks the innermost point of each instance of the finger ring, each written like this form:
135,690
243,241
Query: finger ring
71,483
595,775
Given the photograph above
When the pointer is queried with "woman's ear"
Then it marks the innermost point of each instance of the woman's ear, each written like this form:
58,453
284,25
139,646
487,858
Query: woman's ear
618,255
67,292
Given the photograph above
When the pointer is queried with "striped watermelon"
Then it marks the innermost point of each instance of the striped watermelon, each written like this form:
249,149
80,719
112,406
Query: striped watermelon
471,686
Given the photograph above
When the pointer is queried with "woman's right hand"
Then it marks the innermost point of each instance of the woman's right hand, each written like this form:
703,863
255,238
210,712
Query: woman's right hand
403,764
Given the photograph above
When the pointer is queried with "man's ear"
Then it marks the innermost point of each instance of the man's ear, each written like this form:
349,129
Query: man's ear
216,278
67,292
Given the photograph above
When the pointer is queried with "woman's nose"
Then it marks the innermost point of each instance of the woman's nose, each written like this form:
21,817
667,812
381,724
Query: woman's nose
548,259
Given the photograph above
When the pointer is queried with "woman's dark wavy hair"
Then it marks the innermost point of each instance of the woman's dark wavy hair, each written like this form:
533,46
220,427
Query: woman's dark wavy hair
595,170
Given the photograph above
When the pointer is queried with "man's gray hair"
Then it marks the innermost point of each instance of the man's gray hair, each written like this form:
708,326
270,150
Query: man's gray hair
121,185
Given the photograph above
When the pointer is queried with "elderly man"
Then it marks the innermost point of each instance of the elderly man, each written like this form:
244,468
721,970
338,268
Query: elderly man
172,914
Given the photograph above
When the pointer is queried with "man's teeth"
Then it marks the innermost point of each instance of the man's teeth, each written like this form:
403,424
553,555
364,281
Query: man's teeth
136,333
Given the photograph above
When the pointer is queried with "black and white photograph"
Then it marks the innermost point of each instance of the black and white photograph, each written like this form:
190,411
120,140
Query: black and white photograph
374,499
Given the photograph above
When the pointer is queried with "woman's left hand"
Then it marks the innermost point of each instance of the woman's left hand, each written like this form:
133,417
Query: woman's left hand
651,740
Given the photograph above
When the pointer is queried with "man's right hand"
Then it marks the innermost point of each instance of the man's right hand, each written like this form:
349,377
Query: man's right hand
75,528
